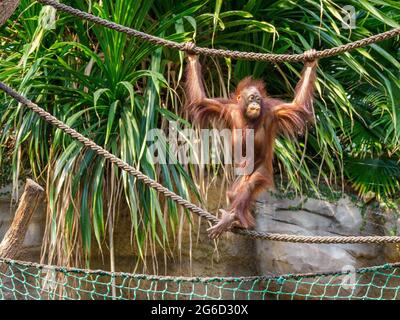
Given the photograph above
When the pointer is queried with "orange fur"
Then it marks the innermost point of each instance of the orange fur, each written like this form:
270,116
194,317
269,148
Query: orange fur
250,82
276,117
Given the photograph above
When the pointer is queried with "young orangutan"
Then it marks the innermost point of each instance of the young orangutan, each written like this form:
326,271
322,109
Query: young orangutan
251,108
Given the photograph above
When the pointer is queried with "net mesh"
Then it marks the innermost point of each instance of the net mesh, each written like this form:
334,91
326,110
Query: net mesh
30,281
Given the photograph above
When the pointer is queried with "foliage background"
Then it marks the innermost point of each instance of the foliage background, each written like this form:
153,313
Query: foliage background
115,89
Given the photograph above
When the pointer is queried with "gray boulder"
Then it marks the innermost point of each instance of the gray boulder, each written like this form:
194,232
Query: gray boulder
310,217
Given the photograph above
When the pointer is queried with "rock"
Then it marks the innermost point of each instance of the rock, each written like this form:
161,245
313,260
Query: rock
6,192
311,217
347,216
319,207
392,228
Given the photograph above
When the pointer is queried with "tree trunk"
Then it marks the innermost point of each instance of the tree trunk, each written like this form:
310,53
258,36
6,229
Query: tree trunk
13,239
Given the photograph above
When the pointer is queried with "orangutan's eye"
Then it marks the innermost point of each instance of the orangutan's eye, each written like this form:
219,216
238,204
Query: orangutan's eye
251,97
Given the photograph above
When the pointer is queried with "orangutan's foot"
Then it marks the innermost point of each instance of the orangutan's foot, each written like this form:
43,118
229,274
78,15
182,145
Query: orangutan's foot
228,221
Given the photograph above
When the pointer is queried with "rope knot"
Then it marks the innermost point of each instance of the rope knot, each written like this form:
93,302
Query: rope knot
280,280
189,47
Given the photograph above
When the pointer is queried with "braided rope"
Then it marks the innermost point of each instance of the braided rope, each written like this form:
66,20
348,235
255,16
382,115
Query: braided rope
219,52
42,266
177,198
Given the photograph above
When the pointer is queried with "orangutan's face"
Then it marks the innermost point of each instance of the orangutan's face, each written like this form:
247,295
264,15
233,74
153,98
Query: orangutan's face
251,102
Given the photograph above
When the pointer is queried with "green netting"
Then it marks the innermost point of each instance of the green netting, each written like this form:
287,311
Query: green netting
24,280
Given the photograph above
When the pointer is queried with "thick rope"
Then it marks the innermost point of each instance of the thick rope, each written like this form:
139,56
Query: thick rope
297,276
219,52
177,198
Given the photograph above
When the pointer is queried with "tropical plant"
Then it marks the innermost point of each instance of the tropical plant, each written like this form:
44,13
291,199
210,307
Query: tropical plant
114,89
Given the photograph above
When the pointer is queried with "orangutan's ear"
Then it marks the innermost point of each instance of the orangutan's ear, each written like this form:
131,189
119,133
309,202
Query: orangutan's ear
238,98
